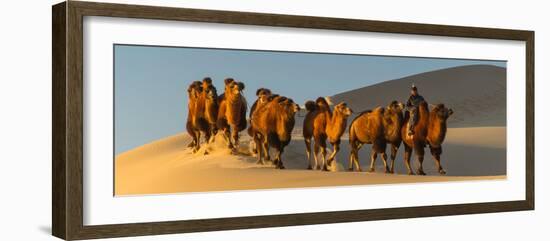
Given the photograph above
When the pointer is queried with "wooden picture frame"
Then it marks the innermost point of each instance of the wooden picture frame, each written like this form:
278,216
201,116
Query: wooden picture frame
67,124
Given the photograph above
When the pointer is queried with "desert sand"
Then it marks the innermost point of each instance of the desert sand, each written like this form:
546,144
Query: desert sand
475,147
166,166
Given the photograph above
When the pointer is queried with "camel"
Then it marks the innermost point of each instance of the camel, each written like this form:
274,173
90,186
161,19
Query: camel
321,123
209,99
232,113
273,124
264,96
367,128
194,91
392,122
430,129
378,127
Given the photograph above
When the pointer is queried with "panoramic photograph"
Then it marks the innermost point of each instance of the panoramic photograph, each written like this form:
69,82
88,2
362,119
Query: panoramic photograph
202,119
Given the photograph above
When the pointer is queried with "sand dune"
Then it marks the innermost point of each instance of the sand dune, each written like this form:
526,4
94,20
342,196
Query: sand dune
481,102
166,166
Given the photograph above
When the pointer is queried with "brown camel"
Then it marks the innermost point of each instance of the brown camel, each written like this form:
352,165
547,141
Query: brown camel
321,123
393,121
378,127
209,99
367,128
264,96
273,124
232,112
194,91
430,129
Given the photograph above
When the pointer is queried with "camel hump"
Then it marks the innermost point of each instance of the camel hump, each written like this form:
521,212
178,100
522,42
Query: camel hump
310,105
376,111
322,102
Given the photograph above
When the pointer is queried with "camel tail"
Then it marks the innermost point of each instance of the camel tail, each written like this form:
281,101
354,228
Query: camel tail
310,105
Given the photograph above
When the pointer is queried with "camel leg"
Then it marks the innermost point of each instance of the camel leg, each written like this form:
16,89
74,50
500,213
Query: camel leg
316,149
351,160
278,158
357,157
207,136
308,152
267,157
192,143
419,150
373,157
333,154
436,153
213,133
265,149
226,136
198,141
259,148
324,156
352,154
235,138
407,158
393,155
385,160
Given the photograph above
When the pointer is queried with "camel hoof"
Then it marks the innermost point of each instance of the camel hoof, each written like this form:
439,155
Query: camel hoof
309,167
411,173
420,172
325,169
206,152
318,168
391,172
442,172
350,169
281,166
371,170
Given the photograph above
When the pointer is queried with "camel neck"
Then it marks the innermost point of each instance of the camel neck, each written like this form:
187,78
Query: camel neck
337,124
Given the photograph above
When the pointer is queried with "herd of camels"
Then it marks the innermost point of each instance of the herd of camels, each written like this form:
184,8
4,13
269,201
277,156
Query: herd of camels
272,119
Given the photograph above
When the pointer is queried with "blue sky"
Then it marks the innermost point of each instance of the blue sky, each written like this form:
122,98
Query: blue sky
151,81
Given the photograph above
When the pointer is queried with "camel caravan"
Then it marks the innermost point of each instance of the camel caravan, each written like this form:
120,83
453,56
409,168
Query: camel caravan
416,125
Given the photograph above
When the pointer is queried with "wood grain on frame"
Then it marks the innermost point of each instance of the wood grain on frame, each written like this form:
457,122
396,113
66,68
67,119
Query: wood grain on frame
67,123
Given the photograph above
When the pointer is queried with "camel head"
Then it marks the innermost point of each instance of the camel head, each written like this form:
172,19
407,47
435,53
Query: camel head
211,92
395,107
233,87
263,95
322,103
343,108
194,89
287,104
442,112
295,107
